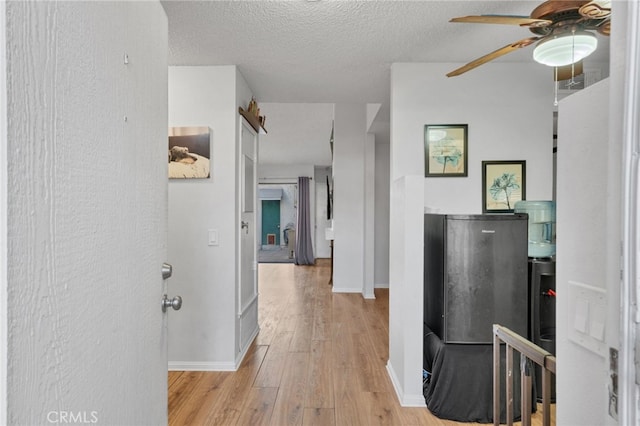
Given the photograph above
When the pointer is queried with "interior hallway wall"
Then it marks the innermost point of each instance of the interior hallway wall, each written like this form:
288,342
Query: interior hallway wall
204,335
582,249
514,125
381,266
349,197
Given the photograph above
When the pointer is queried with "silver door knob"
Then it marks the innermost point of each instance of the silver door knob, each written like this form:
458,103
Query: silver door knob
175,303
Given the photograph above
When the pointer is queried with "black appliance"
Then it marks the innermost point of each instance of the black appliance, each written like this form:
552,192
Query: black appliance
542,284
475,275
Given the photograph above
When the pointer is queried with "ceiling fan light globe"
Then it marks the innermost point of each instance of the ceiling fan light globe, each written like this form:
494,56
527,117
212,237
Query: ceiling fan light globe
565,49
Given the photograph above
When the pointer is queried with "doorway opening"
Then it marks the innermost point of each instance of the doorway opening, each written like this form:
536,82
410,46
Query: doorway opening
277,211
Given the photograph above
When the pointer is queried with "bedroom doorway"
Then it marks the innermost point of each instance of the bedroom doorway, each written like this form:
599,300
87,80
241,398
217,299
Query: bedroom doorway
277,211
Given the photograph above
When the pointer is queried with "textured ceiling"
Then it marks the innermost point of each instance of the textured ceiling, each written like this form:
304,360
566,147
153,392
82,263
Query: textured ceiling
337,51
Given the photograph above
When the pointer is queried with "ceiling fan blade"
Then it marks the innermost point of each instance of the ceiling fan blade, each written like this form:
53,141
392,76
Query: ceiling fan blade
568,71
493,55
596,9
605,28
523,21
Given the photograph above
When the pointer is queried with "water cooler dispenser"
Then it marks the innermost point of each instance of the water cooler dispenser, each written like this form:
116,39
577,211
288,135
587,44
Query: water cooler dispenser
542,278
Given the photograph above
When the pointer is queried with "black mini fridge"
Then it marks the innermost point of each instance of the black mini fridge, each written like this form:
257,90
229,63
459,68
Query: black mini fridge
475,275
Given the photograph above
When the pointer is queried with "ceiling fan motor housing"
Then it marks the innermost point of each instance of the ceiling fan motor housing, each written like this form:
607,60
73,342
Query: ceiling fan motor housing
564,15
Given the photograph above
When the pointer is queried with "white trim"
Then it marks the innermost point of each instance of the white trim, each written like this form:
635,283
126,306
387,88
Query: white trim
371,296
347,290
201,366
405,400
630,316
248,305
381,285
244,351
4,205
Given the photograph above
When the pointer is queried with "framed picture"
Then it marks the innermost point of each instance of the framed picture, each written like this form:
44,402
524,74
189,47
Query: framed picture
503,184
445,147
189,152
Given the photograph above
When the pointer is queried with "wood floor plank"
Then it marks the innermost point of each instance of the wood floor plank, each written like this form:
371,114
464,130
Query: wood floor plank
274,363
351,408
289,405
319,392
182,389
371,372
173,376
223,406
382,410
301,340
202,392
258,407
322,318
319,417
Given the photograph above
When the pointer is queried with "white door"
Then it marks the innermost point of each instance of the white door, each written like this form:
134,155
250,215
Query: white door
247,257
86,213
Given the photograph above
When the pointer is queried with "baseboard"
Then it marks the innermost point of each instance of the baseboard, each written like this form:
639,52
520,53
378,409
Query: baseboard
201,366
381,285
346,290
244,351
405,400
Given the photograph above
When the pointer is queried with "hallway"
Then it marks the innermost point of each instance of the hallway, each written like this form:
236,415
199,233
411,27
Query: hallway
319,359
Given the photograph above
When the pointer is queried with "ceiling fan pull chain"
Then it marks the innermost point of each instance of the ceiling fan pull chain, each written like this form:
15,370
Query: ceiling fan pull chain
573,57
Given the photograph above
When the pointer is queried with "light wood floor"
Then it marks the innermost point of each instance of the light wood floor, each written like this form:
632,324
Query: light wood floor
319,359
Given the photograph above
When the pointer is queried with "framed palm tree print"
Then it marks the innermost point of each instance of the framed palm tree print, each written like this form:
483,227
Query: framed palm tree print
503,184
445,150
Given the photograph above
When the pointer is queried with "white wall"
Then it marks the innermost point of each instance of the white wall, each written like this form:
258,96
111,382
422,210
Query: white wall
508,108
369,215
349,197
406,291
381,273
86,211
204,334
582,217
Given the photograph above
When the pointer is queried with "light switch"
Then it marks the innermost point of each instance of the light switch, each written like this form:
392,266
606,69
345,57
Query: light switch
213,237
587,316
582,315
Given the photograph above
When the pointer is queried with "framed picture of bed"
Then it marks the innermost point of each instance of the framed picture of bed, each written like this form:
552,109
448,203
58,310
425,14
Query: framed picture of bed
189,152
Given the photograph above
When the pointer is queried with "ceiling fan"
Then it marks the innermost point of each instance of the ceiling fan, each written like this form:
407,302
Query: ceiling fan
563,33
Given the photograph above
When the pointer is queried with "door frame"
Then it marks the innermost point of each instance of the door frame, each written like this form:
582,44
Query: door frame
630,315
246,312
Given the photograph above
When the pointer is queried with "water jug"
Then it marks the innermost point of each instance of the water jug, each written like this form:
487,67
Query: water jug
542,226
